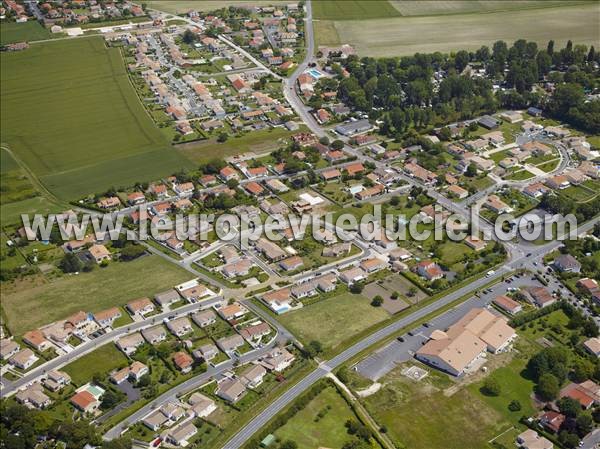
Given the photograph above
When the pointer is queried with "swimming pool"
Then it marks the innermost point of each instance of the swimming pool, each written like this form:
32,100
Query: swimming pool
315,73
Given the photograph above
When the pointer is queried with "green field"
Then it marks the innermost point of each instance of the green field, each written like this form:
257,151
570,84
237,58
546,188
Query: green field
396,36
101,360
310,432
36,301
333,320
70,114
439,7
18,32
352,9
256,141
183,6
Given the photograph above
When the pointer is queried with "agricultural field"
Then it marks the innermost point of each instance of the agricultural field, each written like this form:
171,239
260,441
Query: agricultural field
444,7
91,131
353,9
333,320
35,301
183,6
14,185
12,32
309,430
395,36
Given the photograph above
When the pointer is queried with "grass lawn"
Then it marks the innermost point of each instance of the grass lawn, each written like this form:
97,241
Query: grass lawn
11,32
35,301
520,175
325,33
256,141
91,132
353,9
549,166
306,429
102,360
333,320
395,36
11,213
452,252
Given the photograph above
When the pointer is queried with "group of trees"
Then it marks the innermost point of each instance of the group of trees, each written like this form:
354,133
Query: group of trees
405,92
20,428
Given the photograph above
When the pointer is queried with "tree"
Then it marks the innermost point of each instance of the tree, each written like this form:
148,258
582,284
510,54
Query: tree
289,444
445,134
189,37
569,407
71,263
471,171
314,348
356,288
395,295
491,387
377,301
109,399
548,387
337,144
222,137
412,291
584,425
568,439
131,252
514,406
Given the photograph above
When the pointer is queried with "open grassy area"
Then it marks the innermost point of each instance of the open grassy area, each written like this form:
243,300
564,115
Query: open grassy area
70,114
35,301
439,7
333,320
520,175
11,213
101,360
353,9
183,6
394,36
256,141
11,32
310,431
414,413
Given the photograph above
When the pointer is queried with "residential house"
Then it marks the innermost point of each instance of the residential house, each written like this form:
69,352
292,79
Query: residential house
429,270
256,331
291,263
475,243
155,335
180,434
530,439
495,204
536,190
278,300
229,344
228,174
507,304
270,250
136,198
33,397
277,360
552,421
141,306
109,203
592,345
206,352
540,296
231,390
253,376
23,359
106,318
588,285
558,182
55,380
183,361
8,348
232,311
167,298
180,326
567,263
458,191
240,267
129,343
372,265
85,401
586,393
202,406
36,340
204,318
352,275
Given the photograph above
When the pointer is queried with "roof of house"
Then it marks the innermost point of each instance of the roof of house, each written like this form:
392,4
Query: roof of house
182,359
506,303
139,304
34,337
107,314
83,399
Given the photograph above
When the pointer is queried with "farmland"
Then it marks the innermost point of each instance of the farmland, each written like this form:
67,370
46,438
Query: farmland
353,9
35,301
91,132
439,7
396,36
18,32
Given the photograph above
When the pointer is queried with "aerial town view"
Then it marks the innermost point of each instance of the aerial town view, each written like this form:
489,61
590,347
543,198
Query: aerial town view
312,224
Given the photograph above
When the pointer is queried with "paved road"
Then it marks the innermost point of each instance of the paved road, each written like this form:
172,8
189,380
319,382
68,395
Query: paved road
10,387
